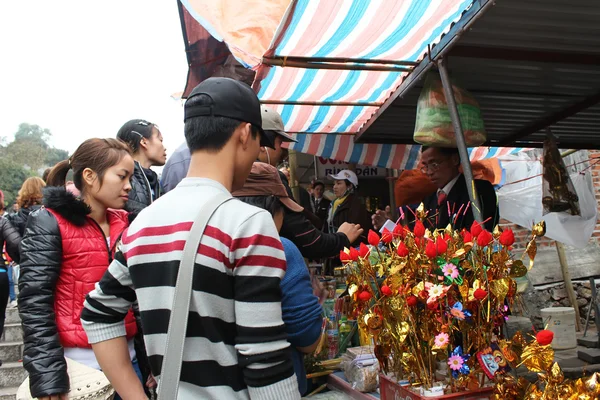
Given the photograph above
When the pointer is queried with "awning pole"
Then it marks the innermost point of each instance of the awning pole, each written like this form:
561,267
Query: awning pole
460,140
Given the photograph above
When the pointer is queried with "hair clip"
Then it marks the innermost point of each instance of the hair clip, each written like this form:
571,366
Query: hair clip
139,134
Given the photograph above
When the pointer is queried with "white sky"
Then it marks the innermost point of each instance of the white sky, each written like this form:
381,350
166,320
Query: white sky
82,69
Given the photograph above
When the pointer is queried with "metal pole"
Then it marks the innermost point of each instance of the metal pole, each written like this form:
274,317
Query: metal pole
460,140
564,267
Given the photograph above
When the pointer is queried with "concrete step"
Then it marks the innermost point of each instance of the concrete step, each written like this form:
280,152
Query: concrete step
12,333
12,374
12,316
9,393
11,351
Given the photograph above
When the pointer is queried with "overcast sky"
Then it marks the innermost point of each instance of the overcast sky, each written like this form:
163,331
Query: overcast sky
82,69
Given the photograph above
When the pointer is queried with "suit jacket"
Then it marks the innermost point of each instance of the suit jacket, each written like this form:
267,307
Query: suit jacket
459,196
322,210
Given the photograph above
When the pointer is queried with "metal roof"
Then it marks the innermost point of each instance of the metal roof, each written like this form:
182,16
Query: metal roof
531,64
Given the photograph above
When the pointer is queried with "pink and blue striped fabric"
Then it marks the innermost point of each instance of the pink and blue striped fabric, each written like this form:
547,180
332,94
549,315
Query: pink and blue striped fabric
376,29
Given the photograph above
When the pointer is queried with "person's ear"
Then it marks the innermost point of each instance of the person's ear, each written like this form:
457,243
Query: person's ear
245,134
144,143
89,176
456,160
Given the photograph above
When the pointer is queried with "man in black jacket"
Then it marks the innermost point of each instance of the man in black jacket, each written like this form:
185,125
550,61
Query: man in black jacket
319,203
442,166
313,243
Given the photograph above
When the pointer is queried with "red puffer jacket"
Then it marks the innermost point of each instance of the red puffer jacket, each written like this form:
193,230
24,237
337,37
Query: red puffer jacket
63,254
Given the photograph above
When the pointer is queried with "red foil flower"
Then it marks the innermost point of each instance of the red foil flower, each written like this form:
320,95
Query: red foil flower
344,257
419,230
544,337
476,229
399,231
385,289
363,250
480,294
373,238
431,249
484,238
467,237
442,245
364,296
386,236
402,250
507,238
412,301
353,254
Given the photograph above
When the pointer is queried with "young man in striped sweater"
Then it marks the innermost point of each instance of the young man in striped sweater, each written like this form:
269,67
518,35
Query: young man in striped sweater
236,345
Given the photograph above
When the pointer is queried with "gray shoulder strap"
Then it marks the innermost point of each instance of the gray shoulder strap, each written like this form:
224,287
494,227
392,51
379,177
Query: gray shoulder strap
173,357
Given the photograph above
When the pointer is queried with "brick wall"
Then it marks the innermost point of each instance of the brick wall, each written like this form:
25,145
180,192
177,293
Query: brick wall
522,235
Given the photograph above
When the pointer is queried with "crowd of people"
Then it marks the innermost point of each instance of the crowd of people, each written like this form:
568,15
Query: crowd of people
99,241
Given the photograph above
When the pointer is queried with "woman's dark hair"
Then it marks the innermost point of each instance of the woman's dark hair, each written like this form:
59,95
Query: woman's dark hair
133,131
269,203
447,151
46,173
95,154
207,132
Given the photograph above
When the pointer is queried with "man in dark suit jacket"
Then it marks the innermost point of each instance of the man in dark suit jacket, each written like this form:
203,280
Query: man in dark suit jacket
319,204
442,167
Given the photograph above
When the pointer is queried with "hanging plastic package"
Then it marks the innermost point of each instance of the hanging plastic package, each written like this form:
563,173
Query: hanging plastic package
433,125
521,202
558,192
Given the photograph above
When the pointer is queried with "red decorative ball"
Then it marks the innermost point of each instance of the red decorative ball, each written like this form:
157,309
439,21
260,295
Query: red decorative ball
412,301
544,337
480,294
385,289
364,296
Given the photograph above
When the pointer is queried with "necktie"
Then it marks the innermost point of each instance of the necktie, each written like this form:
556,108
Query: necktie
441,197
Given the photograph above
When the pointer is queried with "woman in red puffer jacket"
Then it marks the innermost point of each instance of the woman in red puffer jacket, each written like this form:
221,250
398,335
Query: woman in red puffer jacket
67,246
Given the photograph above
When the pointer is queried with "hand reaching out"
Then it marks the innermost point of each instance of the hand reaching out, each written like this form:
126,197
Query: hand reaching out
352,231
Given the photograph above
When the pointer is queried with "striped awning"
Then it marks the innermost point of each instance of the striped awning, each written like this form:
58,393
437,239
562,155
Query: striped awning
331,64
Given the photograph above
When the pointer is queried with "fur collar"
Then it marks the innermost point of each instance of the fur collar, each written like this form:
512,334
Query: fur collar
66,204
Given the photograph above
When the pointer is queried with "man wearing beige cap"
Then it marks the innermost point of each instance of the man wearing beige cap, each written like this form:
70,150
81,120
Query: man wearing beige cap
313,243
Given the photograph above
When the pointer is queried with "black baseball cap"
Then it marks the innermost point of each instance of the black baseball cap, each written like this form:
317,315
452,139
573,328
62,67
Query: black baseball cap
230,99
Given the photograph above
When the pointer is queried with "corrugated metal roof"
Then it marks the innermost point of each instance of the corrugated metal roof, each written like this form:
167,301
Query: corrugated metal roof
523,60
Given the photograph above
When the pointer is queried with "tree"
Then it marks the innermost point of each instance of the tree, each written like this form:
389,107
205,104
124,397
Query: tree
12,176
28,154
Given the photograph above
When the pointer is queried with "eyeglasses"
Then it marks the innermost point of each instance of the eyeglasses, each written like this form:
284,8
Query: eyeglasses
433,167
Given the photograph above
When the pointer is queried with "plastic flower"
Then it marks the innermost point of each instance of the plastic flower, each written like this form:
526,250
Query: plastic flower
455,363
450,270
373,238
458,312
466,235
507,238
441,340
458,362
544,337
430,249
442,245
484,238
476,229
386,236
436,292
402,250
345,257
399,231
363,250
419,230
353,254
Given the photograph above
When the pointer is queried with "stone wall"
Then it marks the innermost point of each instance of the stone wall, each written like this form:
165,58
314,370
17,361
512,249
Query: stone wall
556,296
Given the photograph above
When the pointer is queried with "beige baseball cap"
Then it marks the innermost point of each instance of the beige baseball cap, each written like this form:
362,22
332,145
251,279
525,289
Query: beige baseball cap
272,123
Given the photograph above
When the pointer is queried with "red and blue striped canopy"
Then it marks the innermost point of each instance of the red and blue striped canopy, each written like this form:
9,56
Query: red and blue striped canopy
324,108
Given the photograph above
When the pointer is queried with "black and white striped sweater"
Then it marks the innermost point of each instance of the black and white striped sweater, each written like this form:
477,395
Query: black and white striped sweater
236,345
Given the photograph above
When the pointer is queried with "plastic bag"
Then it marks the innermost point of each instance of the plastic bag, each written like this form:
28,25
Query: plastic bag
433,125
522,204
362,372
558,191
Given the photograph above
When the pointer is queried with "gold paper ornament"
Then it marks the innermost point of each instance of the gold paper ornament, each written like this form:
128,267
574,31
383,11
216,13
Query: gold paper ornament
539,229
373,322
531,251
497,232
592,384
421,212
500,288
517,269
537,358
